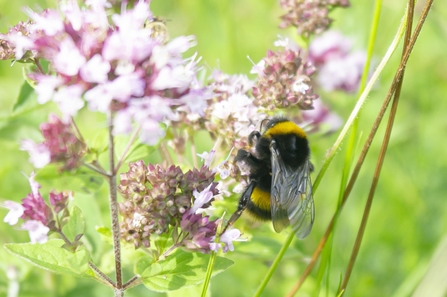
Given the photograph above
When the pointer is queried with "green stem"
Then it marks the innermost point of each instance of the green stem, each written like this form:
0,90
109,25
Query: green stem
331,155
383,150
209,272
274,265
126,150
113,202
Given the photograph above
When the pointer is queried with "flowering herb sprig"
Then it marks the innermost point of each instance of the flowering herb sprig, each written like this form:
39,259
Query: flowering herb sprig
108,57
41,219
158,200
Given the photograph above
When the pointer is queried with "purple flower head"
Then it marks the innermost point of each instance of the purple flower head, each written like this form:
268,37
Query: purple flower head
201,199
59,201
309,16
329,45
60,145
207,158
16,44
224,109
285,81
226,241
40,155
15,212
38,232
343,74
113,63
34,207
339,67
322,118
200,232
156,198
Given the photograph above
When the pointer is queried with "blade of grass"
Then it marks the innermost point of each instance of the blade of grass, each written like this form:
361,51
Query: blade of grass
366,147
353,143
381,158
338,142
361,158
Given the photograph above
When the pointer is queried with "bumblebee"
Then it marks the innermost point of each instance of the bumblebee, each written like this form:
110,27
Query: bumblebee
279,169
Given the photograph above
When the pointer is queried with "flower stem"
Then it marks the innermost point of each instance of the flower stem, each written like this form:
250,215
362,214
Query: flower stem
365,148
92,168
379,164
209,272
37,63
126,150
134,281
104,277
114,209
327,162
194,152
274,265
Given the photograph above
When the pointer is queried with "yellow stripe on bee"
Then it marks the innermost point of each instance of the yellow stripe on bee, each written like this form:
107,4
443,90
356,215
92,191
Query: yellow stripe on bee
286,127
260,198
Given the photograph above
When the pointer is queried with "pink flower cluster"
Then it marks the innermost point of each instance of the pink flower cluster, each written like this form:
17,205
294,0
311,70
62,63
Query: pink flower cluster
38,216
284,80
61,145
340,68
309,16
114,63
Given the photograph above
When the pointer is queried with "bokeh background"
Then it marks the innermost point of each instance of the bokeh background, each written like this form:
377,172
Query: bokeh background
404,250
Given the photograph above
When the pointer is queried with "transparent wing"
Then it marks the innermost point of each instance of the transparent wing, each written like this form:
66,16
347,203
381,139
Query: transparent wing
291,196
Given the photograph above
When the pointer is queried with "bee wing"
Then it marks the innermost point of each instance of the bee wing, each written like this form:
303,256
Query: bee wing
291,196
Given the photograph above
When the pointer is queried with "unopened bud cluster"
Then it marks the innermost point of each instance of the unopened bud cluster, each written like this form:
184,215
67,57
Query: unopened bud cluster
309,16
156,198
284,81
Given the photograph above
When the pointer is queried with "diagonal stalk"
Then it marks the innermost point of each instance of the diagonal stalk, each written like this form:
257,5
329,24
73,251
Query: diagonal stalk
364,151
381,158
329,159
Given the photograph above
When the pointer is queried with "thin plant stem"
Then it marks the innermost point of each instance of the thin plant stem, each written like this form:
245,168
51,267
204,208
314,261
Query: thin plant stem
380,160
99,171
164,151
37,63
104,277
274,264
331,155
134,281
353,137
194,152
78,132
363,153
126,150
209,272
114,209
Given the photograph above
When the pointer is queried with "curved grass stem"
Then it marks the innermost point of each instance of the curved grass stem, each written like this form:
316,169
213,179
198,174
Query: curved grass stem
380,160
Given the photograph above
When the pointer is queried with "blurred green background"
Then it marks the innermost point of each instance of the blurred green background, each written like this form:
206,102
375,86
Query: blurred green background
405,244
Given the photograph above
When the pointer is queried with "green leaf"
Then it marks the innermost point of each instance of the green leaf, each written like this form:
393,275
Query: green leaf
100,143
75,224
180,270
106,234
139,151
26,93
80,180
53,257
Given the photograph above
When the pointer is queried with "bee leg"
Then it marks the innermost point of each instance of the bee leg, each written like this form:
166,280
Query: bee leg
254,137
241,206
